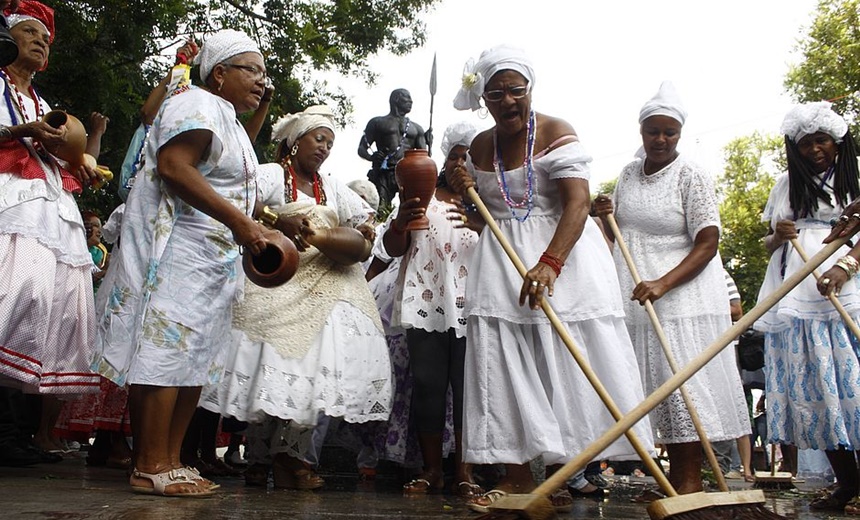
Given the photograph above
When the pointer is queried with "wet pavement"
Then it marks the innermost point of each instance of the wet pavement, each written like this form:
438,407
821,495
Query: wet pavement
71,490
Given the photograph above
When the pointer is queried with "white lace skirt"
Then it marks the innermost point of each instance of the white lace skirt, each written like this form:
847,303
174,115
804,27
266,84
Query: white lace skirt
525,396
715,390
346,373
46,320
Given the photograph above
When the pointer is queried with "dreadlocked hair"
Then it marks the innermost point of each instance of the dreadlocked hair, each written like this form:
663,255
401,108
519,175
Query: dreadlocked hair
804,189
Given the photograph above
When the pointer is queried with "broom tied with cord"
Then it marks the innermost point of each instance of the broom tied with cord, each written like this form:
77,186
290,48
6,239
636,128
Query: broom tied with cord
536,506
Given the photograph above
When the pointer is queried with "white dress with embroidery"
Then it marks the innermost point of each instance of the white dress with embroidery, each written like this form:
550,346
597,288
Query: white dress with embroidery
312,345
169,305
47,321
525,396
660,216
431,289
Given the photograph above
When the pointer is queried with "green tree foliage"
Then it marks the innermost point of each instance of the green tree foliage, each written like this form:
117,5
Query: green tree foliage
830,68
752,164
109,54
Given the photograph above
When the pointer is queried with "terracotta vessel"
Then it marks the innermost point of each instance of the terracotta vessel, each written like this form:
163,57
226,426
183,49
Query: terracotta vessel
416,177
275,265
73,147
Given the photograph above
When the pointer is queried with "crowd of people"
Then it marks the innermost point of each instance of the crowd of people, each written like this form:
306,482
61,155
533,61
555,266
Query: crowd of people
405,345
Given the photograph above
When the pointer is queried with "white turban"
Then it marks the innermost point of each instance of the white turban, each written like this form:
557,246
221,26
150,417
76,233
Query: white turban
476,75
367,191
808,118
458,134
665,103
291,127
222,46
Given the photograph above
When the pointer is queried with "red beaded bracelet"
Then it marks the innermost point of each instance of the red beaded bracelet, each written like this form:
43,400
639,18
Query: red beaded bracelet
553,261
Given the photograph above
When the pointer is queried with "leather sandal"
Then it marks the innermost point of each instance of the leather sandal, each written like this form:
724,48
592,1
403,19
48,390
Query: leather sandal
561,500
467,489
161,481
482,503
420,486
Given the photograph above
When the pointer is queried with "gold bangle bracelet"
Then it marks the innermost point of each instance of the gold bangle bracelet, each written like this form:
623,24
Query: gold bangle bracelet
268,217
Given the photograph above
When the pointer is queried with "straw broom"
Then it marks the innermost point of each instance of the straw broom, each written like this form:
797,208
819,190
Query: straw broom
536,505
670,358
708,506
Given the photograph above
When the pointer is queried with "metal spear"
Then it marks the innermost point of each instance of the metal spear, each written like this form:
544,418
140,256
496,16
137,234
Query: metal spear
432,95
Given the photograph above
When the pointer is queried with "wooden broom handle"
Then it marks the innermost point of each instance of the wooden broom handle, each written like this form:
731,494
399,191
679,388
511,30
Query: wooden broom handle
670,358
849,322
616,413
673,383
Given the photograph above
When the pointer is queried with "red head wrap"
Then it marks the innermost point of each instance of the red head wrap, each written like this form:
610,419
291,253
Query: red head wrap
37,10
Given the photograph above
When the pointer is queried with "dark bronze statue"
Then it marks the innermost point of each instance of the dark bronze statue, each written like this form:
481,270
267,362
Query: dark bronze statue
393,134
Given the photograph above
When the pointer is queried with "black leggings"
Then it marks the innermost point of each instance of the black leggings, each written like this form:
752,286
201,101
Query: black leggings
435,360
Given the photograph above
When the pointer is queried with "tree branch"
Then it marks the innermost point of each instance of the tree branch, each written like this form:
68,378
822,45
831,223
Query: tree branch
248,11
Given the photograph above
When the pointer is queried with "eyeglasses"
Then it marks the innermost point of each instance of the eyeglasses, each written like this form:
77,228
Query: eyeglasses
256,74
494,96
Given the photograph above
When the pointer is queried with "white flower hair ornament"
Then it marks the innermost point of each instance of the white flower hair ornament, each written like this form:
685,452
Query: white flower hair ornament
809,118
471,88
281,127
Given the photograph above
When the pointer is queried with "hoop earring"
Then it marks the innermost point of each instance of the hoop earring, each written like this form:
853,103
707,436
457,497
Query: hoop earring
295,149
483,112
220,85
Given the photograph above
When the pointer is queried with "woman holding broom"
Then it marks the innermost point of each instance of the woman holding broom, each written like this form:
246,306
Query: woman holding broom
525,397
666,210
811,363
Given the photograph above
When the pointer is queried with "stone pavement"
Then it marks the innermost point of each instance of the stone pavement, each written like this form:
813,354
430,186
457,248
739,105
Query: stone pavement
70,490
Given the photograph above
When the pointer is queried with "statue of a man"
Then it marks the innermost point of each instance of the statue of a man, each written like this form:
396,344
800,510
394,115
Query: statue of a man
393,134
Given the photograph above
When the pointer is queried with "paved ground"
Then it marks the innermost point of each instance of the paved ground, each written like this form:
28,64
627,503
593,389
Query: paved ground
70,490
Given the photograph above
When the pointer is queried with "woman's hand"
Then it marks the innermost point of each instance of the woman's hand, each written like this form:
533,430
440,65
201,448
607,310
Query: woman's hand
296,228
832,281
43,133
408,211
249,234
847,224
98,123
87,175
539,280
784,231
460,180
368,231
651,290
602,206
465,219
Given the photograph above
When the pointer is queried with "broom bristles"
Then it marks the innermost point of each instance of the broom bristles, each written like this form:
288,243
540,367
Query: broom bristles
736,512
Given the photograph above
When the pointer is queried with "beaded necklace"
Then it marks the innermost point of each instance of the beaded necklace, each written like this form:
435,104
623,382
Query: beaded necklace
20,99
528,164
384,165
291,190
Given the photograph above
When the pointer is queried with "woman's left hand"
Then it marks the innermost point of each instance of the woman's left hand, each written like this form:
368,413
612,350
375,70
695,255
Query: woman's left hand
847,224
460,180
86,175
98,123
463,219
539,281
649,290
832,281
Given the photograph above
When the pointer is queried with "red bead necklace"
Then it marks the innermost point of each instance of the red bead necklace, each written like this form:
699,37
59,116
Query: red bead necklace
291,189
20,99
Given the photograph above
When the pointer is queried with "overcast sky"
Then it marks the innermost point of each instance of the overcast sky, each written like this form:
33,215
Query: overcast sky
596,63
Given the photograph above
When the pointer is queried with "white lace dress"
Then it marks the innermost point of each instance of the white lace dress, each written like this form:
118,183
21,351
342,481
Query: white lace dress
811,360
47,323
525,396
312,345
659,216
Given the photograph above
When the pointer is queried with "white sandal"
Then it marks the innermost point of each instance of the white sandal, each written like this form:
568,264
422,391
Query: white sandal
491,495
160,481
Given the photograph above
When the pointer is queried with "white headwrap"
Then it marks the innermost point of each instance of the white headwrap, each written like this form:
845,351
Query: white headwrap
666,102
367,191
808,118
476,75
291,127
14,19
458,134
222,46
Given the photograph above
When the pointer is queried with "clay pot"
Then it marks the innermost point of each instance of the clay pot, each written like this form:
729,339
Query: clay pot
416,177
275,265
73,147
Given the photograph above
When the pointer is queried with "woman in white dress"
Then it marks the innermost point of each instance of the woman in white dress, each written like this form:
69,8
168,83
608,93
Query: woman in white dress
46,303
315,345
170,297
811,367
666,208
428,305
525,396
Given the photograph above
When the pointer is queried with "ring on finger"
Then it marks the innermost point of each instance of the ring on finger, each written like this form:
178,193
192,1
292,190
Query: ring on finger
844,218
855,216
535,283
297,238
464,218
825,281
